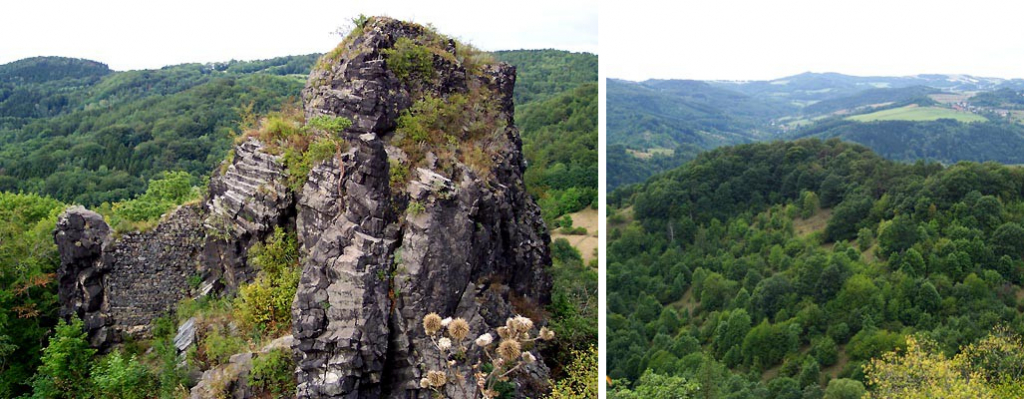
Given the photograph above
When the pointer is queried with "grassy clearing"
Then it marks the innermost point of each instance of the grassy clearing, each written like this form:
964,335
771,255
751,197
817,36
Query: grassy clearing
813,224
651,152
949,98
587,243
915,113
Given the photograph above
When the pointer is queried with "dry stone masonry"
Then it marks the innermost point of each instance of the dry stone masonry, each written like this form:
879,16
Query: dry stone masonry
118,286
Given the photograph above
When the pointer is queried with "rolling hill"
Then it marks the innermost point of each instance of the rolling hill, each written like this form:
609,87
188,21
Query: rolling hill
946,118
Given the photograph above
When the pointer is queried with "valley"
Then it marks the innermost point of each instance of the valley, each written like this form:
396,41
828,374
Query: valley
896,116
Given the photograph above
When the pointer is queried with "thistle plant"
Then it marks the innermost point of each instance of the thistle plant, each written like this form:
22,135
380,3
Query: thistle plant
508,354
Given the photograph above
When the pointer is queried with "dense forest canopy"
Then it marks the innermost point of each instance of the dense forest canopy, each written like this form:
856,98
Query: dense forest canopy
944,140
112,133
780,269
556,112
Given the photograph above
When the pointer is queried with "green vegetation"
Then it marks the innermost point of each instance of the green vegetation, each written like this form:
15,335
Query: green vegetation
456,126
573,307
542,74
991,368
287,133
626,168
873,97
560,140
266,303
64,372
330,124
730,279
556,112
172,372
28,294
225,326
122,377
943,140
1002,98
407,60
657,386
916,113
430,124
581,377
683,115
274,373
899,118
143,212
110,132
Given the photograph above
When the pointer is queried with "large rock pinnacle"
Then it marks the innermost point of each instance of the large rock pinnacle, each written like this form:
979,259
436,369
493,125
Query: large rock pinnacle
457,239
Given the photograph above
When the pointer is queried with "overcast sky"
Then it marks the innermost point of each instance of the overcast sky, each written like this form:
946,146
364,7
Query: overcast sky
757,39
151,34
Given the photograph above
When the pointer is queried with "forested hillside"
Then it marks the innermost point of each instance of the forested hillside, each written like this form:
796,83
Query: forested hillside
944,140
782,269
556,111
659,119
945,118
115,130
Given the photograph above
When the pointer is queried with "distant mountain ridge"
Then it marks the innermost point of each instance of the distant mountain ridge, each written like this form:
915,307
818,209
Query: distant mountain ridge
810,86
659,123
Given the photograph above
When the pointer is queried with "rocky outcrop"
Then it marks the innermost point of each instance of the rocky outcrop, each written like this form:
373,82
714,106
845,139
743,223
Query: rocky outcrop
118,286
247,200
380,257
391,228
80,237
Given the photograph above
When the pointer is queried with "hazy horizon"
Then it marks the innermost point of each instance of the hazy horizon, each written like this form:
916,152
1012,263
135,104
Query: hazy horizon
818,73
128,35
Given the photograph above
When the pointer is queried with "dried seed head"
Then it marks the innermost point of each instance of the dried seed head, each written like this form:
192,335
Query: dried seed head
444,323
432,323
509,349
484,340
424,383
546,334
458,329
528,357
444,344
524,323
436,378
504,332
